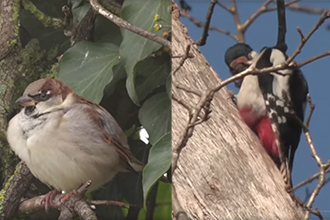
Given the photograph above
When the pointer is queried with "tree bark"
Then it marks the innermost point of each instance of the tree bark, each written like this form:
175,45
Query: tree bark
223,172
20,63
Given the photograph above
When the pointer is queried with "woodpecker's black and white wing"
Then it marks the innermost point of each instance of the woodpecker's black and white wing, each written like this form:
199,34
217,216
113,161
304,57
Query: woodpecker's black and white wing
285,98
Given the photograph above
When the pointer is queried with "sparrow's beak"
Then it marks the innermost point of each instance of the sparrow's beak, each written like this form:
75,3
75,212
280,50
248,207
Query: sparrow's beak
26,101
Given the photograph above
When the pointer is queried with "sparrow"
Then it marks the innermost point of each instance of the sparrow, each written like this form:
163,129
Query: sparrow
67,140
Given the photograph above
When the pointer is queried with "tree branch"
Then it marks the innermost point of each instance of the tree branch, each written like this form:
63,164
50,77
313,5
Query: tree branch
303,39
309,179
263,8
202,40
124,24
234,12
46,20
198,23
312,59
306,9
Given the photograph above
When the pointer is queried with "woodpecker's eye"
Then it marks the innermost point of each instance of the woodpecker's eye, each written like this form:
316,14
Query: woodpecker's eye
43,96
252,55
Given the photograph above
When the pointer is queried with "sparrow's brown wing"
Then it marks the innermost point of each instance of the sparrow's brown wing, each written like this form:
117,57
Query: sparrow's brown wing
112,134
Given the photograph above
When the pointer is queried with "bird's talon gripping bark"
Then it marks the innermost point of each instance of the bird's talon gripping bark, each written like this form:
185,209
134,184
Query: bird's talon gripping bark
67,196
49,197
233,96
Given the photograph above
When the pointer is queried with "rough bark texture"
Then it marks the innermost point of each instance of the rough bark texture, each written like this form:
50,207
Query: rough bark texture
19,65
223,172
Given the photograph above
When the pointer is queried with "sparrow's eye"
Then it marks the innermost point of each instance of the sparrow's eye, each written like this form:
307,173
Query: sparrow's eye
43,96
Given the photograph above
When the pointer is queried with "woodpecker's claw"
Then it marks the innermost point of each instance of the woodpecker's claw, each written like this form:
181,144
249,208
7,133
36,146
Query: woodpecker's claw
233,96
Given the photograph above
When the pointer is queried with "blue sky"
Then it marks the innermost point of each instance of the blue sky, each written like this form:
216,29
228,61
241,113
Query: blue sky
263,32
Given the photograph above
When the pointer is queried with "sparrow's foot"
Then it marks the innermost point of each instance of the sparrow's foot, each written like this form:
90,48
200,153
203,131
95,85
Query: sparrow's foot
49,198
67,196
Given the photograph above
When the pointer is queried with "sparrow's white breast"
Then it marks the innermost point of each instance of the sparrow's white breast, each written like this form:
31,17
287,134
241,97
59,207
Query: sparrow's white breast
62,149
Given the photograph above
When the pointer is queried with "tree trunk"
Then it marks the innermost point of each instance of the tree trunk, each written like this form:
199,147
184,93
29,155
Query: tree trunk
21,61
222,172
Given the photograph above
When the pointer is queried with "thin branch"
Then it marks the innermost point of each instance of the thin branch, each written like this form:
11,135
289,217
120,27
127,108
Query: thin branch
263,8
108,203
234,12
303,40
202,40
124,24
312,59
211,28
224,7
46,20
76,203
323,166
306,9
309,179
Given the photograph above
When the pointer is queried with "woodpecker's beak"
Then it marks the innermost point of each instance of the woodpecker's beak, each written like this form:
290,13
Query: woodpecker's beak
238,62
26,101
237,66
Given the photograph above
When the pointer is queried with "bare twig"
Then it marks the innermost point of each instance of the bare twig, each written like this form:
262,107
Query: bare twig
108,202
211,28
263,8
174,82
202,40
309,179
74,204
222,5
323,166
47,21
312,59
306,9
303,40
234,12
124,24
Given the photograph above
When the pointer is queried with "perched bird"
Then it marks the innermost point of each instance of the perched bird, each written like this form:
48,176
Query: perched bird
66,140
270,103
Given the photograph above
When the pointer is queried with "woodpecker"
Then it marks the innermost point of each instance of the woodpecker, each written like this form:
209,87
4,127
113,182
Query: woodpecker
271,103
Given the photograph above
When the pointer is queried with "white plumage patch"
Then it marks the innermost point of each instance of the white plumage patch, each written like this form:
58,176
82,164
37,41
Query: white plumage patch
277,110
271,107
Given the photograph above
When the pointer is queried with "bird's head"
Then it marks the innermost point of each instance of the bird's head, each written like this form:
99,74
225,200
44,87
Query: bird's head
43,94
238,58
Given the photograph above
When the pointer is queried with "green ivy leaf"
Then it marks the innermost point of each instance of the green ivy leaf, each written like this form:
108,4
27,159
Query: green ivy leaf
159,162
169,86
151,73
87,68
155,116
134,48
163,209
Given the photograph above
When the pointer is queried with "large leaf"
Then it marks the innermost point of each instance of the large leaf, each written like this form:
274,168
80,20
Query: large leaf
106,31
159,162
151,73
88,67
164,201
134,47
169,86
155,116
